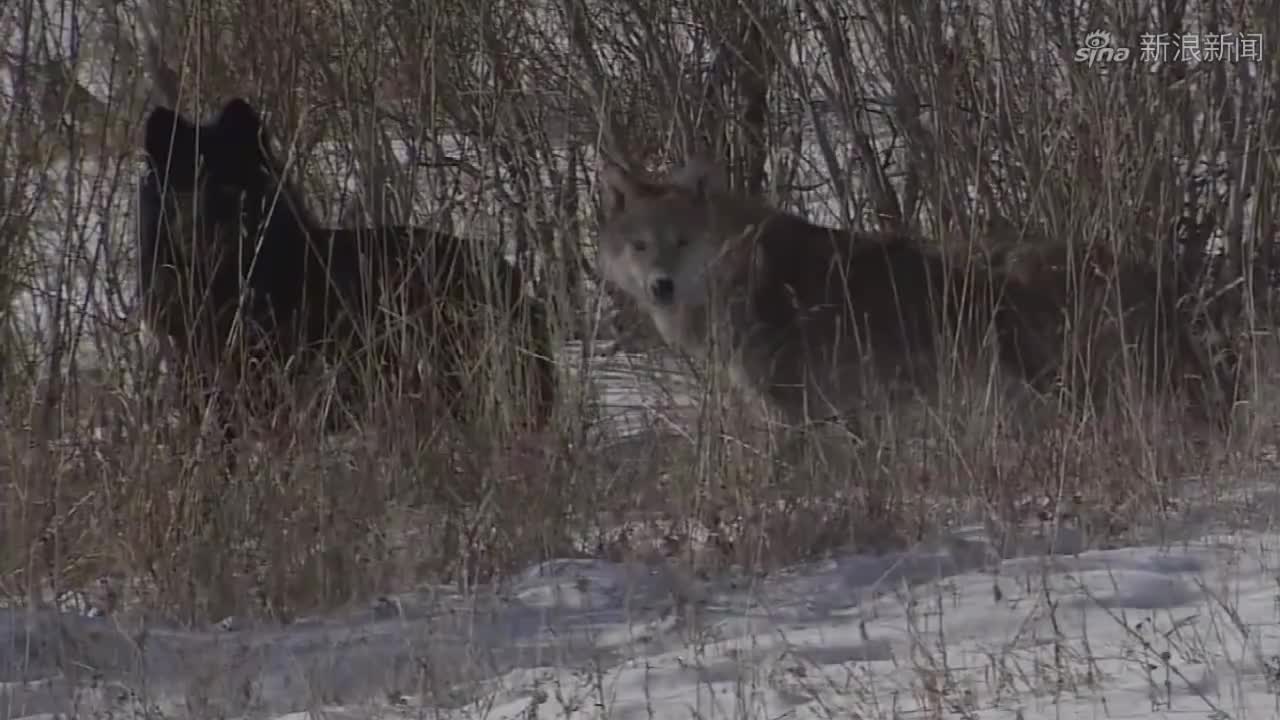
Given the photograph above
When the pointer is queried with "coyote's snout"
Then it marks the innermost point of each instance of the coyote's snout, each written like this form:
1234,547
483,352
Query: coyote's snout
663,289
801,314
652,267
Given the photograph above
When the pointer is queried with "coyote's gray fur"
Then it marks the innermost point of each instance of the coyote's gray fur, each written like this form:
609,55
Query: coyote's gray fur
808,317
1106,328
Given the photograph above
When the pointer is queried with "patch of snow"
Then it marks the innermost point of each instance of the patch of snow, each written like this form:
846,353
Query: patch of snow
632,391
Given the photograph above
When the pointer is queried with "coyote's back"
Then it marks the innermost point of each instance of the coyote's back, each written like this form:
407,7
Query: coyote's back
1109,329
811,318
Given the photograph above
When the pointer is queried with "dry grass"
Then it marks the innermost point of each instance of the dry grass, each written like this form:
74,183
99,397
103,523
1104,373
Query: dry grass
101,476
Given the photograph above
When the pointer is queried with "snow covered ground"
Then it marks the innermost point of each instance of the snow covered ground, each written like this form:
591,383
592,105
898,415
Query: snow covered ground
1186,625
1188,630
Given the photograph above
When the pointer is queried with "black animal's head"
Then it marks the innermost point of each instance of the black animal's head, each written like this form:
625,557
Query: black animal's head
201,209
209,167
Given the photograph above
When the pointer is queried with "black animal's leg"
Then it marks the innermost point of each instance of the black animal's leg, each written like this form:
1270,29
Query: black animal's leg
224,432
538,366
201,398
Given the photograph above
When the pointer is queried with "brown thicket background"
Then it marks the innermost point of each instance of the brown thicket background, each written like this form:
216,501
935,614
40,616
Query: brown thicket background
969,123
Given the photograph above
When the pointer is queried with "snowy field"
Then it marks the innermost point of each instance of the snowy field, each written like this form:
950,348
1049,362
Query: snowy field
1185,626
1159,631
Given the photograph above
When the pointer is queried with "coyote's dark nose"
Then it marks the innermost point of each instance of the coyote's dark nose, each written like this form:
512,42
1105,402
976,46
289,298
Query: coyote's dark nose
662,289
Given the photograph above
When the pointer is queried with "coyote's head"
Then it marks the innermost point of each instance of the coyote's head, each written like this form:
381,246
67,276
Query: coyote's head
659,240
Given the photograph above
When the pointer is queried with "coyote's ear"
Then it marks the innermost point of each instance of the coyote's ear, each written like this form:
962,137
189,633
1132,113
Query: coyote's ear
699,176
617,188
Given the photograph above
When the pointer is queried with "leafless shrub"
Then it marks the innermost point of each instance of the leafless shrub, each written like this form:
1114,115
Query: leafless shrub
973,127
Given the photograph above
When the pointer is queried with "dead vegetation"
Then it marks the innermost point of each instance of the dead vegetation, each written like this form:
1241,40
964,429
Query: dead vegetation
981,133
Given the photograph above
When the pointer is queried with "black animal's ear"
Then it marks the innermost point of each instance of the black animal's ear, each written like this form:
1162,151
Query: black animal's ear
239,122
170,143
241,143
700,176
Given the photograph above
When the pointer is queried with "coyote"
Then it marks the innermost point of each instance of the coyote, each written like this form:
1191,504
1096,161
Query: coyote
810,318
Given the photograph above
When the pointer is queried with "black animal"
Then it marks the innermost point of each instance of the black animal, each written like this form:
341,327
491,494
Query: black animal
242,281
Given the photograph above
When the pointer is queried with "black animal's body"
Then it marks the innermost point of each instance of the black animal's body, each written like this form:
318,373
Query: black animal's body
240,279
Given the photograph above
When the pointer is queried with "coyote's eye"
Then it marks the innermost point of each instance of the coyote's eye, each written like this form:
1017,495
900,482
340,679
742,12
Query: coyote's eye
682,242
638,245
